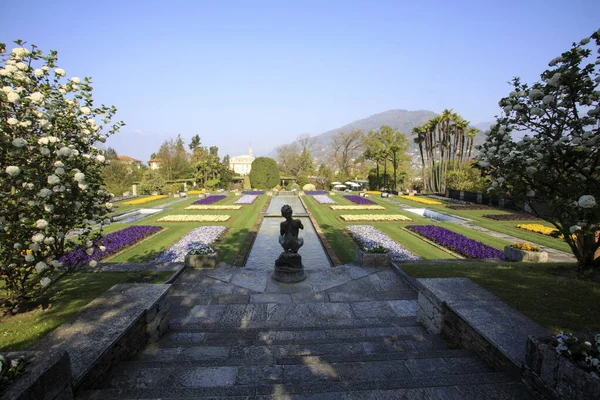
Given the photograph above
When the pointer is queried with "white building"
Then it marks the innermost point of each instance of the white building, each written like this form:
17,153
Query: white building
242,165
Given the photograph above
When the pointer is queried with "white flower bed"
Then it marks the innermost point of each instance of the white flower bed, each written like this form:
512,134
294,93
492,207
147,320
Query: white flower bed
322,199
194,218
246,199
206,207
350,208
203,236
368,236
375,217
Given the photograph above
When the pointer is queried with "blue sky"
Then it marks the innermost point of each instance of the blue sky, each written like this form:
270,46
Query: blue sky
241,72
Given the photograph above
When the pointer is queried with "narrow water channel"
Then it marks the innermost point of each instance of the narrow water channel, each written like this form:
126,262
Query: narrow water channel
266,247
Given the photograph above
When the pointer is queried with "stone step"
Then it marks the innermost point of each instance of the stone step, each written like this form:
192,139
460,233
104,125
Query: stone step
257,315
188,295
305,337
353,381
209,322
294,354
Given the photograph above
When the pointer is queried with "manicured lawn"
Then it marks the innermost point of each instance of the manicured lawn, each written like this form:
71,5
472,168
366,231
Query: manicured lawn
120,207
551,294
506,227
62,302
239,226
345,247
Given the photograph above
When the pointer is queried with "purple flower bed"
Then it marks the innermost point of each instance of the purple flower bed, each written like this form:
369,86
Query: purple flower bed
358,199
315,192
255,192
470,207
455,241
114,242
210,199
511,217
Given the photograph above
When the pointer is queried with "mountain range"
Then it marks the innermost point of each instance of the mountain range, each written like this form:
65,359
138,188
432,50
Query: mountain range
403,120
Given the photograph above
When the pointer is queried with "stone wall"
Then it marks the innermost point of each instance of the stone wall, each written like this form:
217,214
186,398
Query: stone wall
556,376
111,328
47,376
470,317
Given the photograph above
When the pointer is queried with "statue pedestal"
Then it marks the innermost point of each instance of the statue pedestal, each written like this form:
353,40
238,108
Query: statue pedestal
289,268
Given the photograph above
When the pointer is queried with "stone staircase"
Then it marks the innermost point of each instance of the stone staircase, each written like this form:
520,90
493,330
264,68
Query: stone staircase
357,340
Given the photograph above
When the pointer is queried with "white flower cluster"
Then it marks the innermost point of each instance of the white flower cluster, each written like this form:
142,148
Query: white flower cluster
45,166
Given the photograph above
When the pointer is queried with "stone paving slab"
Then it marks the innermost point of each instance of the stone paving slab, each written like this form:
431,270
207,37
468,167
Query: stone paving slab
130,267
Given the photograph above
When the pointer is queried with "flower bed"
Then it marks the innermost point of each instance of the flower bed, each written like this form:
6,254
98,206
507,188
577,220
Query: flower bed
254,192
209,207
203,236
368,237
511,217
375,217
358,199
373,192
247,199
422,200
456,242
122,198
448,199
544,230
470,207
191,192
194,218
315,192
112,243
210,199
143,200
365,207
323,199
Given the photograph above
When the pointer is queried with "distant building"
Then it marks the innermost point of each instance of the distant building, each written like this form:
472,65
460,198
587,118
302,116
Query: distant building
130,160
242,165
154,163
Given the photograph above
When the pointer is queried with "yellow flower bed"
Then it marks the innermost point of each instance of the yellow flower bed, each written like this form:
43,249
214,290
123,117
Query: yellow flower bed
374,192
525,246
207,207
539,228
365,207
375,217
196,192
143,200
422,200
194,218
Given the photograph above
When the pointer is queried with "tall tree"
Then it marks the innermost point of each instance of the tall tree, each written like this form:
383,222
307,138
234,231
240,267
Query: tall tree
345,146
195,143
443,139
264,173
288,158
555,168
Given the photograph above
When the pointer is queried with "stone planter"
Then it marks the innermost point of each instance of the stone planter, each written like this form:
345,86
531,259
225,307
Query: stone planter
556,374
373,259
202,261
514,254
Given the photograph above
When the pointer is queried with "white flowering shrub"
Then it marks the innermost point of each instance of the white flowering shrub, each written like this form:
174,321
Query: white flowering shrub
557,163
50,170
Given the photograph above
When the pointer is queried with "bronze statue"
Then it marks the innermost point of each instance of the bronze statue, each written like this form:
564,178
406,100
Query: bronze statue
288,231
288,267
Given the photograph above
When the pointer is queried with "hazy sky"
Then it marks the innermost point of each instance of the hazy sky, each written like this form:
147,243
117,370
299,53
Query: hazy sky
264,72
